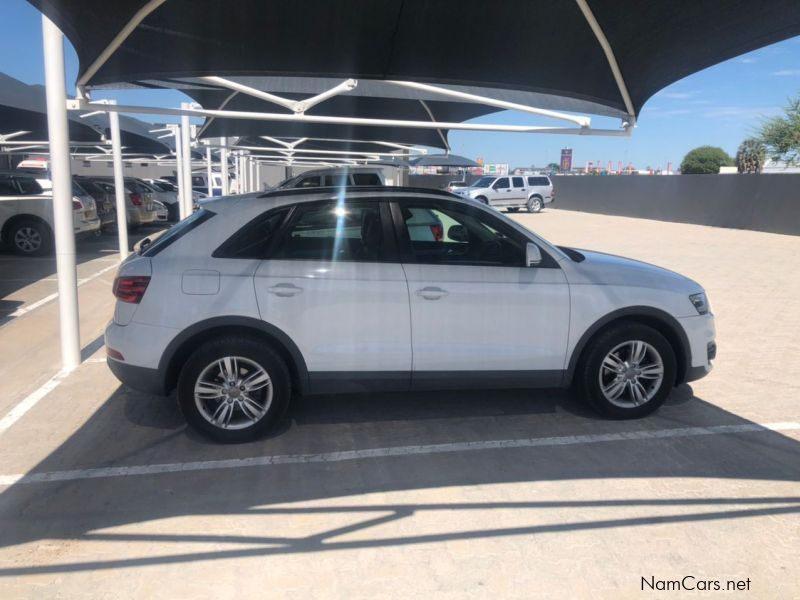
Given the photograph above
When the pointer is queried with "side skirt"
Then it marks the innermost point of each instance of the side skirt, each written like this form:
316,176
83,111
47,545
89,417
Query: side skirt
345,382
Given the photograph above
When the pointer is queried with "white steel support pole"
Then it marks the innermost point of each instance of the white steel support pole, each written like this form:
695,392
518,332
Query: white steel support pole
119,185
209,172
258,176
252,177
62,194
179,173
223,164
186,151
237,162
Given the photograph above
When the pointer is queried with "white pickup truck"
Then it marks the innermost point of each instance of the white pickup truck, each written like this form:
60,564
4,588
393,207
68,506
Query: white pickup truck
26,213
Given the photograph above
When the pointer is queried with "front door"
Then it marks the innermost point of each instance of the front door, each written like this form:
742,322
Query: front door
476,309
502,194
332,284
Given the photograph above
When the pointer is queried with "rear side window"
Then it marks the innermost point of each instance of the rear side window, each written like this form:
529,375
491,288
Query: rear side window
254,239
518,182
176,232
338,180
335,231
366,179
30,187
538,181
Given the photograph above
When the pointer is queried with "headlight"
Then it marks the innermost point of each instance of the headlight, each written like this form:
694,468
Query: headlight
700,303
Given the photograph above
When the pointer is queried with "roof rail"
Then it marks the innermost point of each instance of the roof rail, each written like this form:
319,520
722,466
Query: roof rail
358,188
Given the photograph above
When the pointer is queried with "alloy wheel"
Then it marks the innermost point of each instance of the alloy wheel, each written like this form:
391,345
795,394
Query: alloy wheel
28,239
631,374
233,392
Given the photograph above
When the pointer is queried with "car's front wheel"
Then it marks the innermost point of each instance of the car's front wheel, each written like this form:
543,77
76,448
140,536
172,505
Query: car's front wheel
234,389
627,371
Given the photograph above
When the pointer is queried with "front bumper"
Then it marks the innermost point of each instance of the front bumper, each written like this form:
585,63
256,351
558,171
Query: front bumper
701,333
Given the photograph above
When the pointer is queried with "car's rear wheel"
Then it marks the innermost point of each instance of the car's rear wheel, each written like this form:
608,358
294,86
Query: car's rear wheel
30,237
627,372
535,204
234,389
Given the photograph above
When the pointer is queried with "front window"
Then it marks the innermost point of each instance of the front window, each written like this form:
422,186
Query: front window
339,231
308,182
483,182
501,184
456,235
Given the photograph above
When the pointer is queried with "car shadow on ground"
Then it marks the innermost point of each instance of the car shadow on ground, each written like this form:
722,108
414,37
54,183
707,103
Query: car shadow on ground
319,435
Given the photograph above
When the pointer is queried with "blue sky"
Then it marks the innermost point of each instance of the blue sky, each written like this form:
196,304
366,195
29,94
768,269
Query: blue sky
719,106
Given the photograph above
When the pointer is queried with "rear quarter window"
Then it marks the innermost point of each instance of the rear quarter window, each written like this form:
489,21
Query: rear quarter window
366,179
176,232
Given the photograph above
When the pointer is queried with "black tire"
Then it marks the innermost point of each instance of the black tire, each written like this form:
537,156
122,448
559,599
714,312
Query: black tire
482,199
513,209
535,204
249,349
30,237
588,373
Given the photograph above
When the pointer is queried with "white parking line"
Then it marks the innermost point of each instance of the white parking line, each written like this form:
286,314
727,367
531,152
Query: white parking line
349,455
33,398
47,299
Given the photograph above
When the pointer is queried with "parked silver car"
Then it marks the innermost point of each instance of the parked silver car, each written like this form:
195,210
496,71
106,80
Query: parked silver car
138,200
511,191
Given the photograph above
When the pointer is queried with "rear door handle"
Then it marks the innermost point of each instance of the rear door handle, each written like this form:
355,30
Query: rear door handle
285,290
432,293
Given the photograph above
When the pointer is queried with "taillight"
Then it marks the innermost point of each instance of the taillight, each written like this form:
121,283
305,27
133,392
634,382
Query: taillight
438,232
130,289
136,199
77,205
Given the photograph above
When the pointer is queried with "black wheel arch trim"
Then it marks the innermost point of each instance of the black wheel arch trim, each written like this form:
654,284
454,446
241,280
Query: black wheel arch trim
631,312
165,364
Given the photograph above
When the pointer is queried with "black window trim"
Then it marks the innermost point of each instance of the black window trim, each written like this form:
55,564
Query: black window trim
391,247
224,250
406,252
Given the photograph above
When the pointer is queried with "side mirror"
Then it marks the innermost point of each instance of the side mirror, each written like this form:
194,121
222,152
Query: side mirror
533,256
457,233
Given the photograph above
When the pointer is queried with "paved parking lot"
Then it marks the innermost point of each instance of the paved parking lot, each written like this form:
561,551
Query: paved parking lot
486,494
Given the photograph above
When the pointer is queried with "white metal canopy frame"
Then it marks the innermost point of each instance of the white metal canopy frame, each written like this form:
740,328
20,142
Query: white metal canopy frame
620,55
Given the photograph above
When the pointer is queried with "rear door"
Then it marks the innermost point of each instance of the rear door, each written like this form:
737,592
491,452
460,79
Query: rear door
519,189
333,284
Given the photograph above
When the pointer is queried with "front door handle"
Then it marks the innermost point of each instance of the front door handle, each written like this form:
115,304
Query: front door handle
285,290
432,293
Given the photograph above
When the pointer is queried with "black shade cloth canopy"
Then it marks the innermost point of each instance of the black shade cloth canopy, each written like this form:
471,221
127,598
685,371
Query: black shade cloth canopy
23,107
443,160
338,106
540,46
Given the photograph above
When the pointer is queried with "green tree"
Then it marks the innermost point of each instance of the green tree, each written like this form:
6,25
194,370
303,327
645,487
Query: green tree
554,167
705,160
781,135
750,156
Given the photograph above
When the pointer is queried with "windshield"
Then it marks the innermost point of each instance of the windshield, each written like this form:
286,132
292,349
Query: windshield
483,182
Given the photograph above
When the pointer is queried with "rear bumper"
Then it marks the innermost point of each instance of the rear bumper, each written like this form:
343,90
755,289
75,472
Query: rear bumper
87,226
150,381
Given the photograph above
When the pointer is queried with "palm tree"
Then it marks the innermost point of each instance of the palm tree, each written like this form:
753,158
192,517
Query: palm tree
750,156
